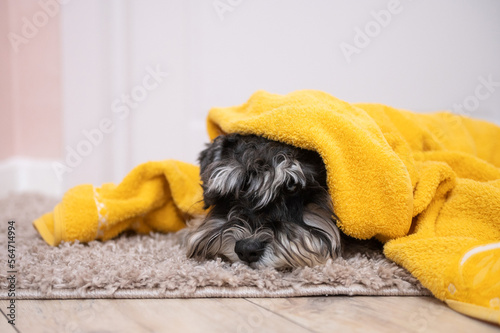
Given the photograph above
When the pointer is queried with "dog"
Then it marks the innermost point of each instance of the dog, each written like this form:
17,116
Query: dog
268,205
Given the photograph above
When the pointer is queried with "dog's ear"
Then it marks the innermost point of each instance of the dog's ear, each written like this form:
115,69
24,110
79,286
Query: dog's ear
207,156
314,166
220,148
211,154
217,150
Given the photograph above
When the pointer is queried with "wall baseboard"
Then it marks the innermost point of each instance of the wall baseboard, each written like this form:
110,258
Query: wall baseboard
21,174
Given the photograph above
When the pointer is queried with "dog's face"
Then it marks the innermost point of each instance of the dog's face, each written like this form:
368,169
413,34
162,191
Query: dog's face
269,205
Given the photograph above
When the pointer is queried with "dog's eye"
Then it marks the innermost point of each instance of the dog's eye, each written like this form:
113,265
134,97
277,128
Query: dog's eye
291,186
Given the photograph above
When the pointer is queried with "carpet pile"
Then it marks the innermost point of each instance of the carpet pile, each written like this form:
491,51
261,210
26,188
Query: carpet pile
155,266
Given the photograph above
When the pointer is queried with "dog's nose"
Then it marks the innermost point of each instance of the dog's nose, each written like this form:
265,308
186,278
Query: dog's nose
249,250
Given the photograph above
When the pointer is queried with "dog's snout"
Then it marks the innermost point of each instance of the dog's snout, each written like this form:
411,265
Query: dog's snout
249,250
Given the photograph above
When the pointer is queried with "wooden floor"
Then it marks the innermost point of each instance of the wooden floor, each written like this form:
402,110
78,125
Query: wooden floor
303,314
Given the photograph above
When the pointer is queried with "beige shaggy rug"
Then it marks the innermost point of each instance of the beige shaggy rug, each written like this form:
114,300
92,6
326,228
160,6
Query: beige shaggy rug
155,266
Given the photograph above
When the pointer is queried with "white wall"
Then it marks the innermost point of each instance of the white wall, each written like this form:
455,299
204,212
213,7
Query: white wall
430,56
427,58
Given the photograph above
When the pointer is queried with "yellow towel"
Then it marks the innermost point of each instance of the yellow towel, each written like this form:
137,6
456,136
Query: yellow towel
427,185
156,196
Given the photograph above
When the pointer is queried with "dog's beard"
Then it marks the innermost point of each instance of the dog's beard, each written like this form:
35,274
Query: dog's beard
266,193
292,246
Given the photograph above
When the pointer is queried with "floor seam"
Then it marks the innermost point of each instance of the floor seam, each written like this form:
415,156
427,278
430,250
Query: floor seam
13,326
280,315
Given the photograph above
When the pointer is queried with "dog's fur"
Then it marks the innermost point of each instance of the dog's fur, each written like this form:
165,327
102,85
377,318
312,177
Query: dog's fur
269,205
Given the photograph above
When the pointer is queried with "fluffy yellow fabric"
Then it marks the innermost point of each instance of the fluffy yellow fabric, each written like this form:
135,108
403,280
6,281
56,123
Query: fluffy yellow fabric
153,196
428,185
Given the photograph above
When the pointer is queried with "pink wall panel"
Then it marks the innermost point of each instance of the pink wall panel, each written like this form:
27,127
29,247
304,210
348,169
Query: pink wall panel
30,80
7,142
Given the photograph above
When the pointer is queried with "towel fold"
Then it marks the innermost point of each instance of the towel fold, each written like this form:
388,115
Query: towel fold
427,185
156,196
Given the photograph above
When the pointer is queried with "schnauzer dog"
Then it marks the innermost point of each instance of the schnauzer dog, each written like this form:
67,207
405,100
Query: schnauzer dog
269,205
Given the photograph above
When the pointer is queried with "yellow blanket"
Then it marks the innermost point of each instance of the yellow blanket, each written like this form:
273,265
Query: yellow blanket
427,185
157,196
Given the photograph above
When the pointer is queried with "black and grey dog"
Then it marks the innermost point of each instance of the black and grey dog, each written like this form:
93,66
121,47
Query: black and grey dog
269,205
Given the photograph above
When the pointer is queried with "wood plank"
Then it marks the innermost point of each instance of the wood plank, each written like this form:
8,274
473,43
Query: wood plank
148,315
373,314
5,327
